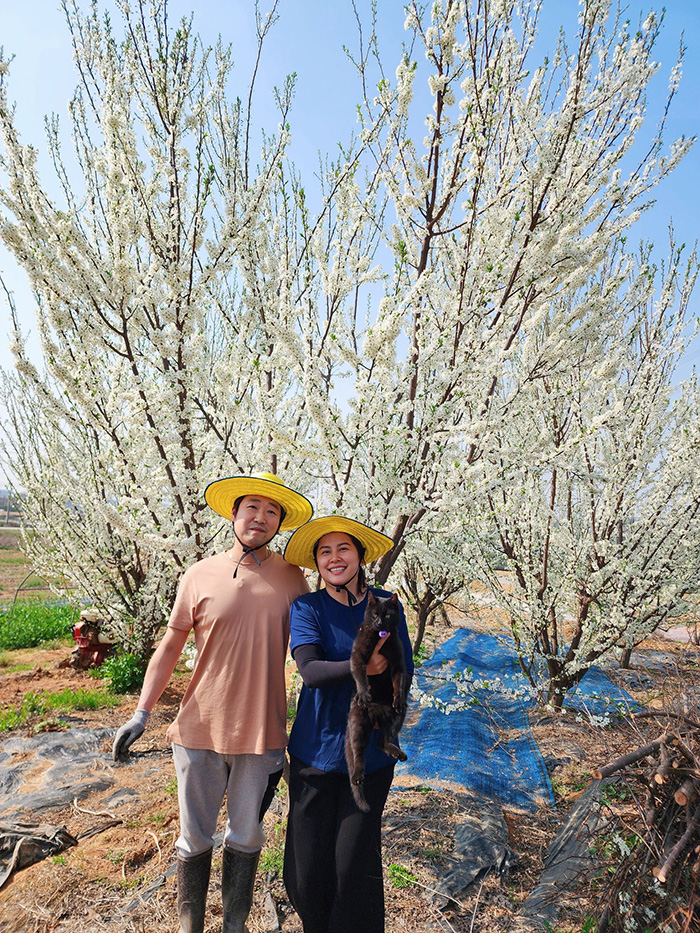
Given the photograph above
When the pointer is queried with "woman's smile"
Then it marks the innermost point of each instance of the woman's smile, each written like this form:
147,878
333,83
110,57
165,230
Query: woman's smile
337,558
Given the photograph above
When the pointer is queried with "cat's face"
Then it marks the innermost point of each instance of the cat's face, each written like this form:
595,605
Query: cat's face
382,613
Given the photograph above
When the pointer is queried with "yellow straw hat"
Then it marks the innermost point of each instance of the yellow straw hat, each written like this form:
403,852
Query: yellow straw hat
300,547
222,493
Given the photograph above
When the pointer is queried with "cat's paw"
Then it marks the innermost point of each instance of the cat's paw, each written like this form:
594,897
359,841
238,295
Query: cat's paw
394,751
400,706
364,698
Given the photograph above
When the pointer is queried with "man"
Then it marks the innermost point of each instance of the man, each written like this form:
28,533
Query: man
230,733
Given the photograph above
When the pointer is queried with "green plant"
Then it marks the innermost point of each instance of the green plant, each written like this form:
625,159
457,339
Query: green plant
272,860
29,623
128,884
53,724
399,876
39,704
124,671
13,668
616,791
171,786
422,654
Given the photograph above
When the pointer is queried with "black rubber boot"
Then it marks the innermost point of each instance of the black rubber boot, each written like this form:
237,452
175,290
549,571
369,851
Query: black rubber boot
237,883
192,883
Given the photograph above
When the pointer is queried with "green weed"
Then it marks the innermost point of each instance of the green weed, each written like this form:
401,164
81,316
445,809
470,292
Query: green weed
617,791
421,655
272,860
399,876
124,671
28,623
54,724
10,557
41,704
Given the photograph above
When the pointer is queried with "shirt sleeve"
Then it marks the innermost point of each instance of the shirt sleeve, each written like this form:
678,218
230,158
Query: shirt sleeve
182,615
304,625
316,671
302,583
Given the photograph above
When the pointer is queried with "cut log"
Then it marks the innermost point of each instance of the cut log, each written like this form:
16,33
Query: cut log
629,758
687,792
663,769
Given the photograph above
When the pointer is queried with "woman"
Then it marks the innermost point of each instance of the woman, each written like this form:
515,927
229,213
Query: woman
333,863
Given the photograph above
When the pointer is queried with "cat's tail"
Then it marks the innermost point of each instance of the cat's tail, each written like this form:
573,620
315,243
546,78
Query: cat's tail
359,795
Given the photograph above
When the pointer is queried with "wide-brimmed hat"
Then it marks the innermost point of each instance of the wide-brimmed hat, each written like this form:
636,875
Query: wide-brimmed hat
222,493
300,547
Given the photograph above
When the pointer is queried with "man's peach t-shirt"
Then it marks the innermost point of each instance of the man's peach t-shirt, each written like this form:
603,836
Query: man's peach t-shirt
236,700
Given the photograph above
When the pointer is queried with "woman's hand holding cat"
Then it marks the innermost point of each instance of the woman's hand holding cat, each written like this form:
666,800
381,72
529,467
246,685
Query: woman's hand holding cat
377,663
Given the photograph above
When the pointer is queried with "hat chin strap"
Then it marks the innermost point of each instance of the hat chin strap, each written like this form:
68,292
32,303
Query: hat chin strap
344,586
250,550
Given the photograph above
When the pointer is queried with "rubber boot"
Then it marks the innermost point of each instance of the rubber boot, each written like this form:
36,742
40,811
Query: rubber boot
237,883
192,883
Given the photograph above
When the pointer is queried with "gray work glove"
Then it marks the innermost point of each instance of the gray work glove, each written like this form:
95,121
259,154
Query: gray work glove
128,733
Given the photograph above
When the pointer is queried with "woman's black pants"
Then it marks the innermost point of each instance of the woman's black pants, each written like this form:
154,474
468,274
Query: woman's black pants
333,856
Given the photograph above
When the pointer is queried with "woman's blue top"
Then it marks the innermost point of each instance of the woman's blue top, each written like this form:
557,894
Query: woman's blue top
318,733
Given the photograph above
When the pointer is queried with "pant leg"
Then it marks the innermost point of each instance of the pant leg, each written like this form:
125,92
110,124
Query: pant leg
272,782
247,788
202,776
309,853
359,899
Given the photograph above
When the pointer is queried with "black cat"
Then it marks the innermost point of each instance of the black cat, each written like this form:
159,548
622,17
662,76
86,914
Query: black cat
383,704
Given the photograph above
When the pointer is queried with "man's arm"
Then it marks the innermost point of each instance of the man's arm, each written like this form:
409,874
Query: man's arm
161,666
158,673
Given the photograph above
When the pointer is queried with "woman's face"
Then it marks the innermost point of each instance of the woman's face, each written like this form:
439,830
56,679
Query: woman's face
337,558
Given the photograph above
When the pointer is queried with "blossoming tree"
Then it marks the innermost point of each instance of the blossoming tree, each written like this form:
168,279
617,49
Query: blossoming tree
155,285
200,316
500,185
596,495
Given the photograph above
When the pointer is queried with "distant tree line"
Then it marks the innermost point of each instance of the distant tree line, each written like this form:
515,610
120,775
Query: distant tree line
10,510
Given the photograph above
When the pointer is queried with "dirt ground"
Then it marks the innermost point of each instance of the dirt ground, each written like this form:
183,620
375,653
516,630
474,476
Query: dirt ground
120,878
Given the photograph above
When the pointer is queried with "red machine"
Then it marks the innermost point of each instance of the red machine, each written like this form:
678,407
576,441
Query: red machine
91,645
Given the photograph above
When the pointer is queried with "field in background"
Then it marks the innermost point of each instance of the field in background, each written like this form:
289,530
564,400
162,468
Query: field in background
17,578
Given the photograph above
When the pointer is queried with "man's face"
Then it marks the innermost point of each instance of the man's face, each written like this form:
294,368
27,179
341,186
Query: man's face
256,520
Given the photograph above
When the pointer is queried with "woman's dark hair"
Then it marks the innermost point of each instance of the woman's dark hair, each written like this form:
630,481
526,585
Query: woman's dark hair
360,548
283,511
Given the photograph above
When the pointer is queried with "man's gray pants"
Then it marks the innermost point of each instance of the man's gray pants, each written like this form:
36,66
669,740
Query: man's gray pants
203,779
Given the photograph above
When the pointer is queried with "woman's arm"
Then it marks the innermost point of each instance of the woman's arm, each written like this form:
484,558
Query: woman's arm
316,671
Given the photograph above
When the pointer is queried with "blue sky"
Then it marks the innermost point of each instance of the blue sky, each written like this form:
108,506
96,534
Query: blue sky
308,40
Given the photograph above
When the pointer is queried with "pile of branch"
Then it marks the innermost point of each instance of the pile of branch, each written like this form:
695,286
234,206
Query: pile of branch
664,777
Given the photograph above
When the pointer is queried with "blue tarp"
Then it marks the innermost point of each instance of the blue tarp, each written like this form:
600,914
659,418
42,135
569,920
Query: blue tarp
488,747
